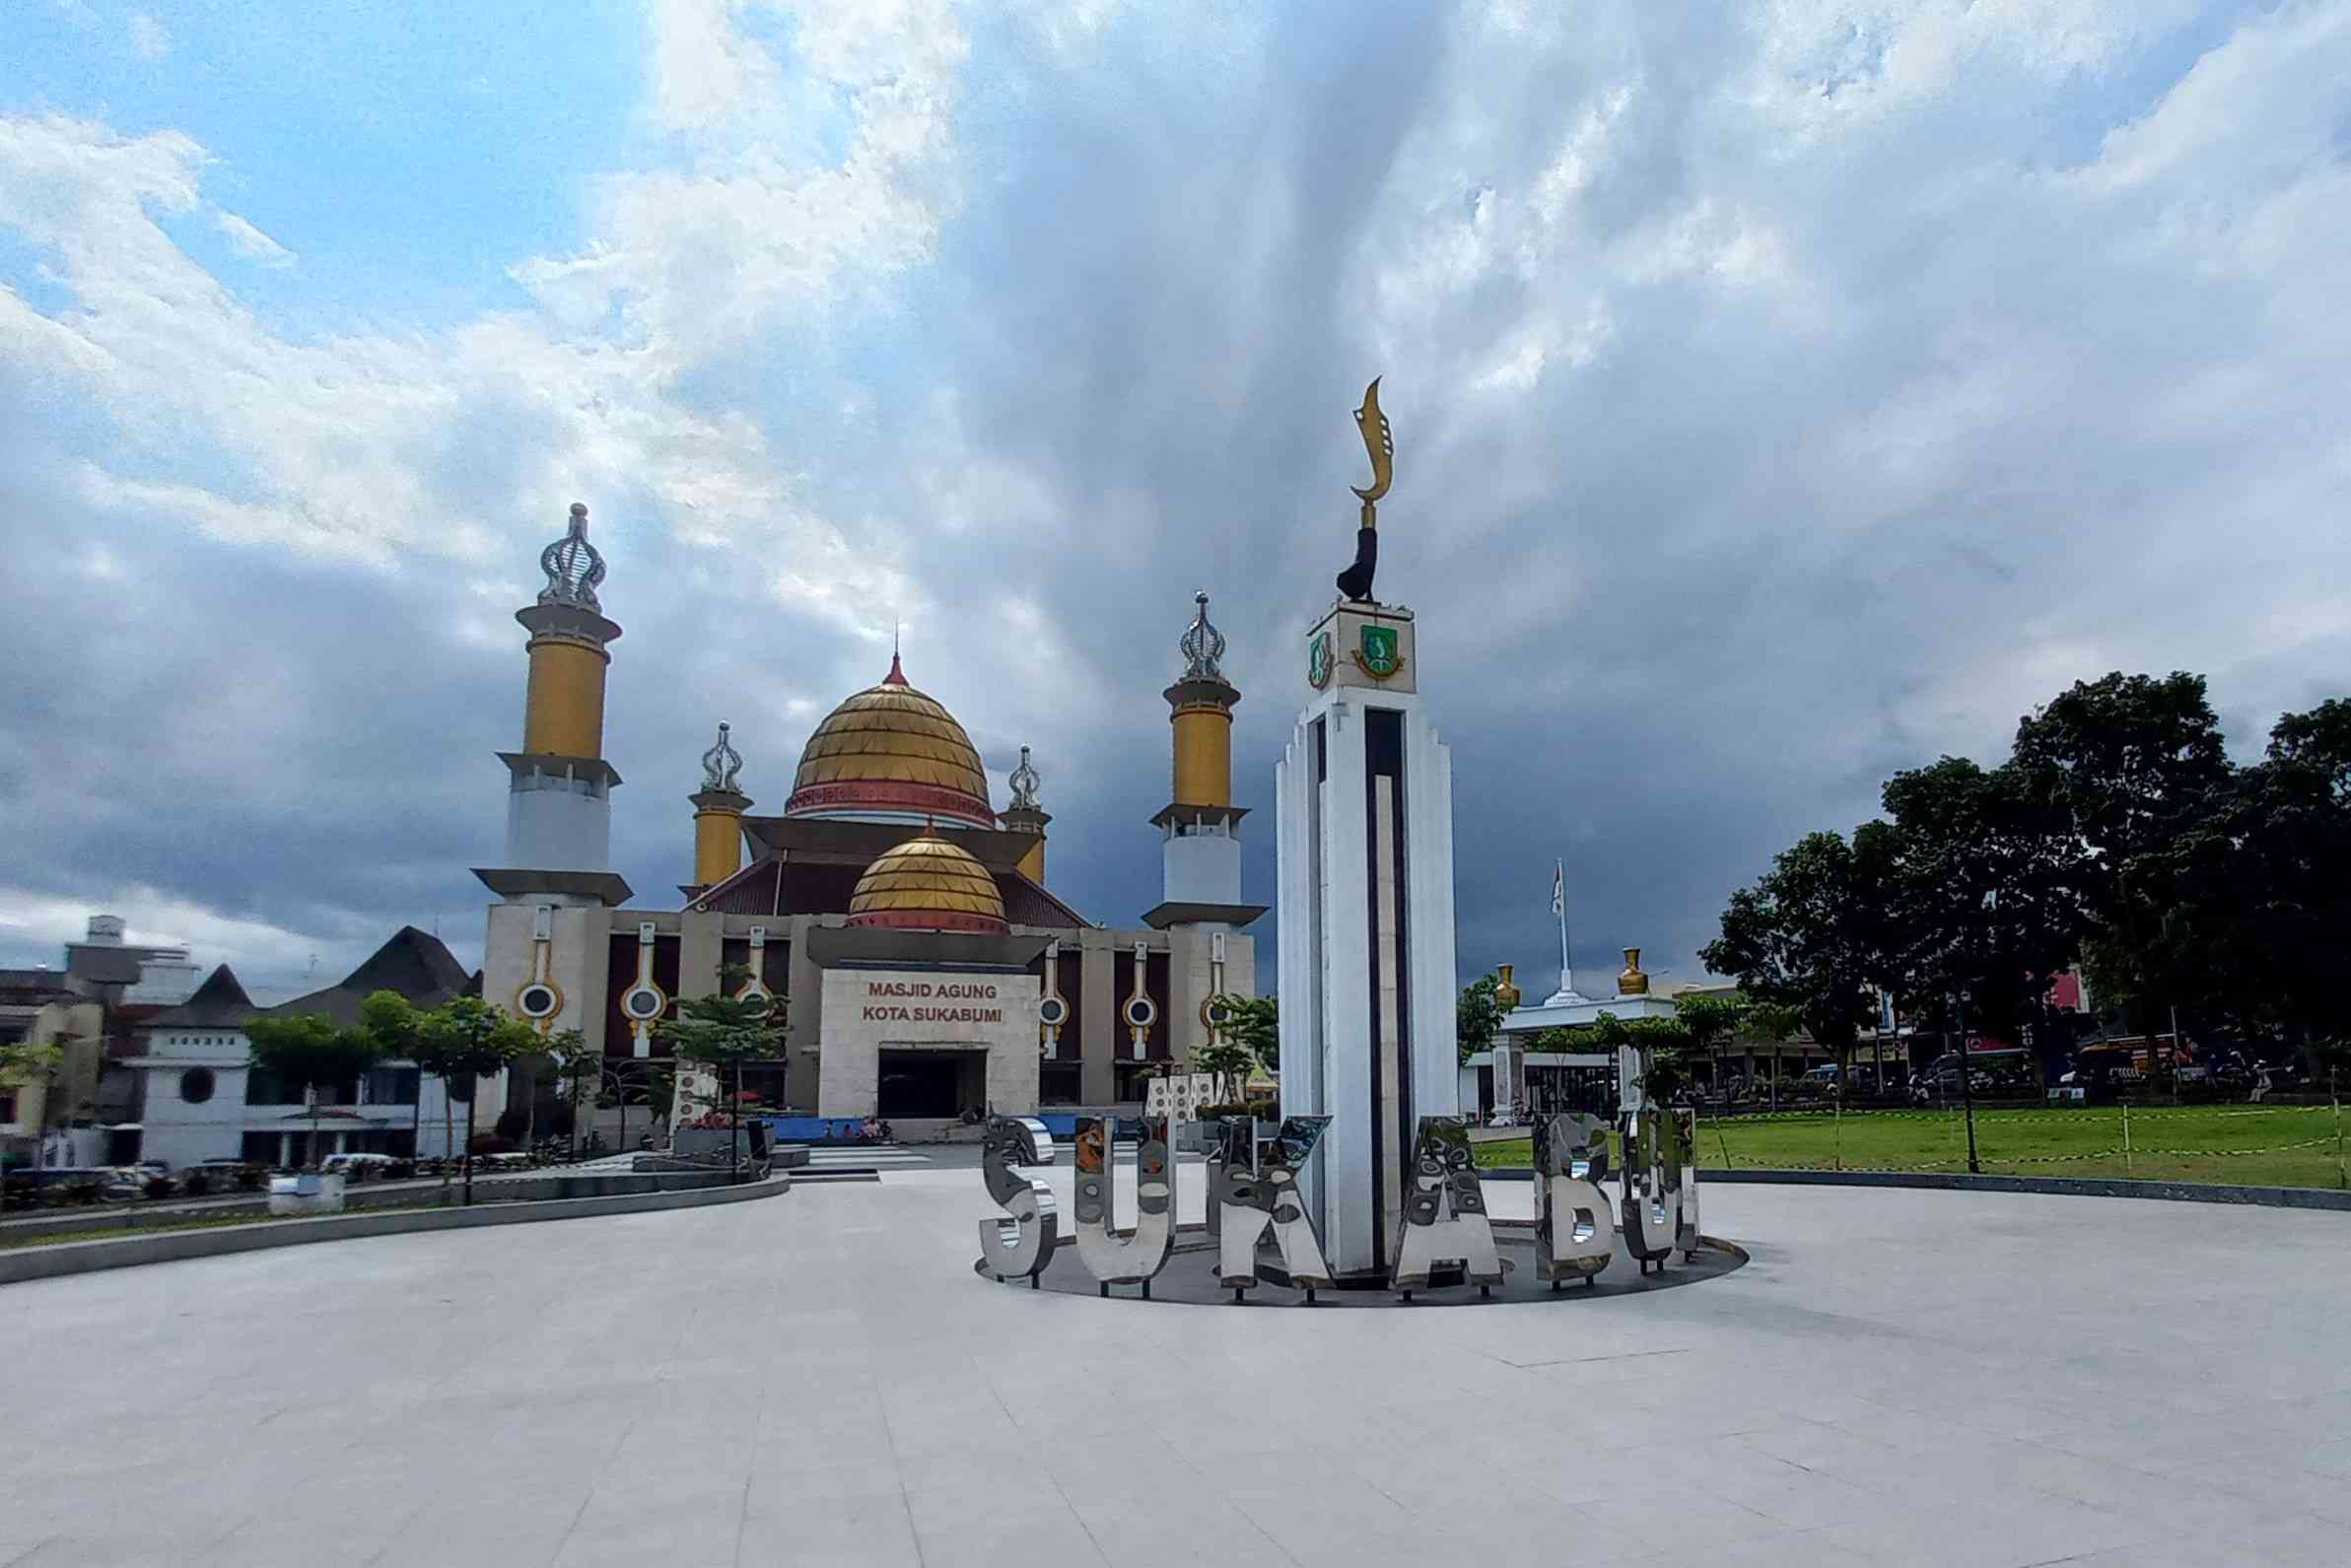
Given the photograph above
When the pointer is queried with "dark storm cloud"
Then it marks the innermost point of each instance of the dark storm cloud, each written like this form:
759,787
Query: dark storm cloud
1781,399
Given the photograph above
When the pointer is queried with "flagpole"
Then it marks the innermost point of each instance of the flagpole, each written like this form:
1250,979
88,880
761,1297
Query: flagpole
1560,904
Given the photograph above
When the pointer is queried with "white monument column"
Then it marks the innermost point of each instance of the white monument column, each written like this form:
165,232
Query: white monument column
1365,796
1364,809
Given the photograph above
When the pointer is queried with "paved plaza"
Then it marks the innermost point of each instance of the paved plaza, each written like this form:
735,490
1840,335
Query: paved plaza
1897,1376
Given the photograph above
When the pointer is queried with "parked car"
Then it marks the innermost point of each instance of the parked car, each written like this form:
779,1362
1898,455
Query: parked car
357,1167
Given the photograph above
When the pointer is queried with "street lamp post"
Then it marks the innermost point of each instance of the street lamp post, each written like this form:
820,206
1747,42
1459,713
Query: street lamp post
1968,1085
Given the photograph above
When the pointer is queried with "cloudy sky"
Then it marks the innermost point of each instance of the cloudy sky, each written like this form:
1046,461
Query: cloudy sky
1785,393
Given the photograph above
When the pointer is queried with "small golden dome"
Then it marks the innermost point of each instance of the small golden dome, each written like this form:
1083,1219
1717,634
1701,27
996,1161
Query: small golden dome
931,884
1634,981
891,753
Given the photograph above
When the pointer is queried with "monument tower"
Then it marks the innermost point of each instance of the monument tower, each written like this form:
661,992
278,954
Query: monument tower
1364,810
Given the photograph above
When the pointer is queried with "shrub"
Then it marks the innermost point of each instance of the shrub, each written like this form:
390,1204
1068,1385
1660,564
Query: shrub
512,1125
159,1186
491,1144
250,1177
198,1184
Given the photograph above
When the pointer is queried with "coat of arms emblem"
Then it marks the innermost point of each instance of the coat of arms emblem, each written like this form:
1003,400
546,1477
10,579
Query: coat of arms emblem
1318,661
1376,651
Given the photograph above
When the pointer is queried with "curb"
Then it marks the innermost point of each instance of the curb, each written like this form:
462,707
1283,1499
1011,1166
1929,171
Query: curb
80,1257
2321,1197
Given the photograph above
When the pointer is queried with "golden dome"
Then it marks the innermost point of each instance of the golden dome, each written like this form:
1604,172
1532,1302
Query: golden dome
891,753
927,883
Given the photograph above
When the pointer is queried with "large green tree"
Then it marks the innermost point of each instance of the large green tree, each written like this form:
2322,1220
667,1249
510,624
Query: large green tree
312,1051
2129,765
1985,894
1816,933
2275,879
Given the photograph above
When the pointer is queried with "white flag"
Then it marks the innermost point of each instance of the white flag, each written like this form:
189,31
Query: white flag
1558,887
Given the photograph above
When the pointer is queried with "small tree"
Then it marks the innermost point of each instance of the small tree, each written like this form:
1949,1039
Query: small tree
26,1067
578,1065
726,1032
314,1051
466,1038
1477,1016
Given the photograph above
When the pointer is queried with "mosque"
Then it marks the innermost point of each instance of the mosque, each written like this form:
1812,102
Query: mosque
927,965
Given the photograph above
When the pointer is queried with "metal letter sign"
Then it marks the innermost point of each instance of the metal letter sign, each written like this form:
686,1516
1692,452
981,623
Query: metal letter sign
1575,1234
1133,1260
1247,1202
1021,1242
1444,1215
1652,1211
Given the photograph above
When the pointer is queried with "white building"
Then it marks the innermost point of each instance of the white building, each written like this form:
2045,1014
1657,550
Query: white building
196,1097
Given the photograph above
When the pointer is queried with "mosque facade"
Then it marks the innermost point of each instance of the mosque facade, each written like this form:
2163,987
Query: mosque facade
927,967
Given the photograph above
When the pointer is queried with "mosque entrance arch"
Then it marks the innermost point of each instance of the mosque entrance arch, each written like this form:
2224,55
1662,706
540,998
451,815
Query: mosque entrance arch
934,1082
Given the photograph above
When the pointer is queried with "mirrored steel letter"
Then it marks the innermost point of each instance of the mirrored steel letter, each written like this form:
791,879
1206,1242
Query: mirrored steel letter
1686,1184
1444,1211
1652,1211
1575,1230
1249,1202
1021,1241
1111,1259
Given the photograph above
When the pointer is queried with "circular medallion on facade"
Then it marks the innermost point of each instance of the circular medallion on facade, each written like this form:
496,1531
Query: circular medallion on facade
539,999
1318,661
196,1085
641,1003
1216,1013
1051,1010
1141,1012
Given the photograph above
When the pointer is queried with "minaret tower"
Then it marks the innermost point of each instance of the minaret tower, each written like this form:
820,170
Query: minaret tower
719,809
1201,826
1024,815
559,792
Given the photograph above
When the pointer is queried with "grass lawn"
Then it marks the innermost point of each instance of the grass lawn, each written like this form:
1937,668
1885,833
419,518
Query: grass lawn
2248,1144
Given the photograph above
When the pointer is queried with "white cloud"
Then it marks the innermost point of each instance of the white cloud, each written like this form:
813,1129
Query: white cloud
250,243
148,39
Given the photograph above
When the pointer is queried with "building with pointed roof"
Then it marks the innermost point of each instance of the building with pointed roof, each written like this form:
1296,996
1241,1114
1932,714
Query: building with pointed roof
192,1093
927,968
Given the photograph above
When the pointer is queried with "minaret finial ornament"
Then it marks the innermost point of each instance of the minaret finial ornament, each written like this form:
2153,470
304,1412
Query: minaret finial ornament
573,566
721,763
1203,645
1025,782
1380,443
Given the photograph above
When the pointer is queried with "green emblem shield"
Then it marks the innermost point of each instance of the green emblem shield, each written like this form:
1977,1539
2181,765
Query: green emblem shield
1378,651
1318,661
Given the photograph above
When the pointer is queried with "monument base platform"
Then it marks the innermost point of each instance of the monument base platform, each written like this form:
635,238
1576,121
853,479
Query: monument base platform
1189,1277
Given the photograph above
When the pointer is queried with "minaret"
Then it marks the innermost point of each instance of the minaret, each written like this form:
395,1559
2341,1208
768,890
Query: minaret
719,809
1201,826
559,792
1024,815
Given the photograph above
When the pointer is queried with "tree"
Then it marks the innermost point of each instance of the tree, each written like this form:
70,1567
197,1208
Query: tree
311,1050
1986,899
727,1031
1814,933
578,1065
1477,1016
1663,1046
462,1040
2127,763
24,1066
2280,914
